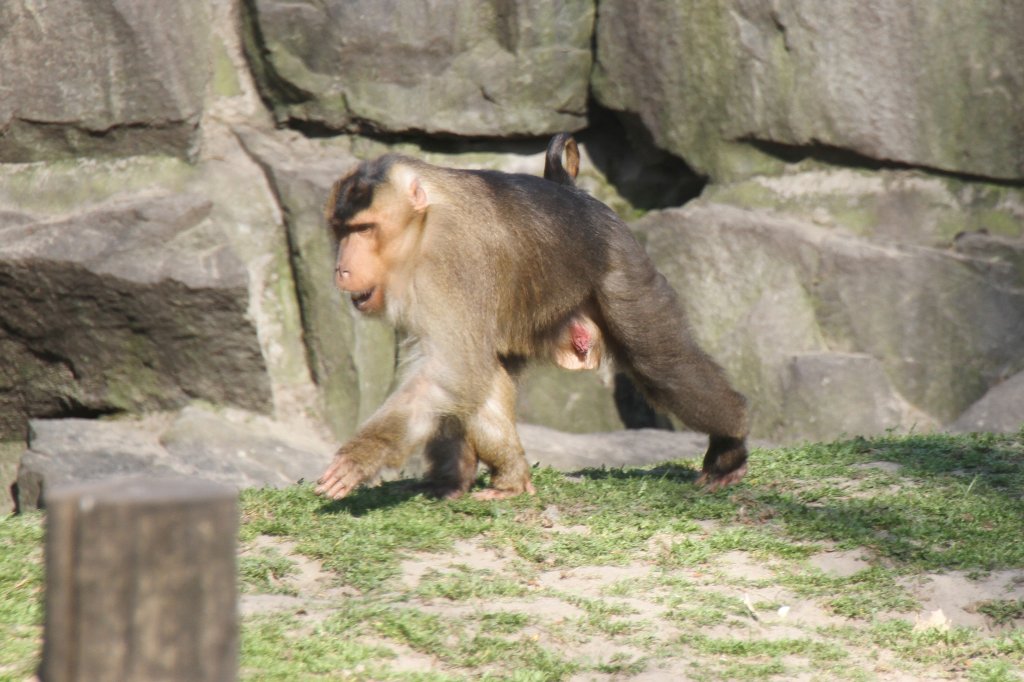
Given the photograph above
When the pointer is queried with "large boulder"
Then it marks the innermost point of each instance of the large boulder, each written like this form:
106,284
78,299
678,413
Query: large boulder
931,83
110,77
114,309
141,284
918,332
232,447
1000,410
453,67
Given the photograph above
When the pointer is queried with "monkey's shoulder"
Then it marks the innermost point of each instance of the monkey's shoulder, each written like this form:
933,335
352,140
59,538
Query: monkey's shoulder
543,195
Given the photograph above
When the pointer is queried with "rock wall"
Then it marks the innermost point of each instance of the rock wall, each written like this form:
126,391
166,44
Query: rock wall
851,245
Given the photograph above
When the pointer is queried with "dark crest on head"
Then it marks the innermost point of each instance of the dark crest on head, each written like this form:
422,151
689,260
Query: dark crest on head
354,192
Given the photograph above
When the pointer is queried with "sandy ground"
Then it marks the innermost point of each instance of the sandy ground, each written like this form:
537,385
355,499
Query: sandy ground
945,601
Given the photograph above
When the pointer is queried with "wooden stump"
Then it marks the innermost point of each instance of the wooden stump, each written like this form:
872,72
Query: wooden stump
140,582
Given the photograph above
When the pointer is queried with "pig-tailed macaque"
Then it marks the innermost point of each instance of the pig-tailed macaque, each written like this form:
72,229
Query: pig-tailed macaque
485,271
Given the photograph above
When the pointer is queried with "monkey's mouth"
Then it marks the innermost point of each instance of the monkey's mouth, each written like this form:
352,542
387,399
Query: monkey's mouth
361,298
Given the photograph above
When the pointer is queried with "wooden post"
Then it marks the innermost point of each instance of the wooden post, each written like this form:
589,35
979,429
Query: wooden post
140,582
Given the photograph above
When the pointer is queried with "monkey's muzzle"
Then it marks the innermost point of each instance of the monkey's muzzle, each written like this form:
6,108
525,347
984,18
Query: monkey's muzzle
361,298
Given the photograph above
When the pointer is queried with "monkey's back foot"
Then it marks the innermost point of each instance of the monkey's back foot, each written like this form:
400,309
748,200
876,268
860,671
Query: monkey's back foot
438,489
712,482
504,493
724,464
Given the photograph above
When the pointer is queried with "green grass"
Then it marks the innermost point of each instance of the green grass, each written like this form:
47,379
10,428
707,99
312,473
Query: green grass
1003,611
954,503
266,572
21,609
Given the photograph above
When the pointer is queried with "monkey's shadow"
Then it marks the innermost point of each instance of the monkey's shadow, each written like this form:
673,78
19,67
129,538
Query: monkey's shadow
395,493
668,471
383,496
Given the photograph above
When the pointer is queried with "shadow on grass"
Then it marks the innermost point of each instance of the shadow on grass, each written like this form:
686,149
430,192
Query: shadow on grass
953,502
365,500
669,471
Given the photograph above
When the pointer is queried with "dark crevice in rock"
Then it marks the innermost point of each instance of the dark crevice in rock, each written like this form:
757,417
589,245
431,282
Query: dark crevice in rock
69,408
25,140
431,142
846,158
274,90
648,177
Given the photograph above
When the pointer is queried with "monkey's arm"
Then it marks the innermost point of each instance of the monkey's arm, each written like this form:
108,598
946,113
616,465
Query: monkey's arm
400,425
405,422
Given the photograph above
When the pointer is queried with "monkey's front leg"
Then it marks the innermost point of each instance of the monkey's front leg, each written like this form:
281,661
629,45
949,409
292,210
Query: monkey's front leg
402,424
355,462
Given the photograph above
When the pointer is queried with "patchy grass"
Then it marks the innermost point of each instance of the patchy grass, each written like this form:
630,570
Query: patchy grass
21,608
608,574
266,571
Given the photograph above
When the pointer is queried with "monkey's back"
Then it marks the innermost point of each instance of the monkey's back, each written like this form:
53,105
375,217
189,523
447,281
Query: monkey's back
551,246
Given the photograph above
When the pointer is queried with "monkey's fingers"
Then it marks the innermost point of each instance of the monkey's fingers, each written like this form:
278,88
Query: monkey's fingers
339,479
337,488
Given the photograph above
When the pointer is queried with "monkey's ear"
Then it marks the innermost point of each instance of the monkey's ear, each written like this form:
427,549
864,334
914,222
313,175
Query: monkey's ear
418,195
409,182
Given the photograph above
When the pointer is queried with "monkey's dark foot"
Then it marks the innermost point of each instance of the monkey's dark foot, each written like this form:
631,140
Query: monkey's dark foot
341,478
504,494
442,490
724,464
713,482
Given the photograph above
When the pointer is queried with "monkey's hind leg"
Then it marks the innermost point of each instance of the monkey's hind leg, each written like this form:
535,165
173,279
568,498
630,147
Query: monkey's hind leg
491,432
652,338
451,462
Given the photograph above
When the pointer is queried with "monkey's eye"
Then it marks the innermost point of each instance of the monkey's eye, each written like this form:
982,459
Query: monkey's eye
352,228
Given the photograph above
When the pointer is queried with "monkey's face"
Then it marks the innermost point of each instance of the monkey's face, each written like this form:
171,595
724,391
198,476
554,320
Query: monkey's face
375,219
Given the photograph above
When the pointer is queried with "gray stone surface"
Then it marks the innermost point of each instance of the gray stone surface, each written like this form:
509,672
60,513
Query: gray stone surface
887,206
84,77
129,305
10,454
933,83
455,67
831,395
166,244
761,289
999,410
244,450
639,447
234,448
578,402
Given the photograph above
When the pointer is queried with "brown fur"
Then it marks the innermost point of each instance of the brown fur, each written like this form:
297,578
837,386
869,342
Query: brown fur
563,350
484,270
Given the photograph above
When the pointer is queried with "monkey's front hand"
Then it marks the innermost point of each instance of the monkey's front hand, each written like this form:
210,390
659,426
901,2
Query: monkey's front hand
342,477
